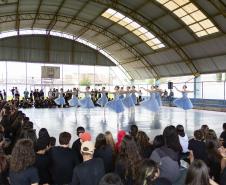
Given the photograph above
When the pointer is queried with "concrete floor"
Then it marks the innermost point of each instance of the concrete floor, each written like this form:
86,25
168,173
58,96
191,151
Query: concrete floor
57,120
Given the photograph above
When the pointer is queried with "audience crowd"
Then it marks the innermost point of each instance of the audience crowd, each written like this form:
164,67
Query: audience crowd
171,158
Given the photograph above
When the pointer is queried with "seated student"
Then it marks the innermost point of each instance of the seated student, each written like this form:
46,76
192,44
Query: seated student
62,160
168,156
22,160
144,146
197,145
223,136
52,142
223,177
42,160
4,167
149,173
128,158
111,179
91,170
183,138
198,174
104,151
133,131
76,146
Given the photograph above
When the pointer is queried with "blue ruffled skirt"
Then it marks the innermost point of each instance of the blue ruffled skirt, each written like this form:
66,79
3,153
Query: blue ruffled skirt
151,104
86,102
128,102
115,105
73,102
158,98
134,98
184,103
102,101
60,101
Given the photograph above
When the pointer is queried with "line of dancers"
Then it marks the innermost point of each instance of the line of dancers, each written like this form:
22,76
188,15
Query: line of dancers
124,99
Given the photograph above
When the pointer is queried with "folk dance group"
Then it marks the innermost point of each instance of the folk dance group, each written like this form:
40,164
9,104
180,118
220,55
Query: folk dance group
124,99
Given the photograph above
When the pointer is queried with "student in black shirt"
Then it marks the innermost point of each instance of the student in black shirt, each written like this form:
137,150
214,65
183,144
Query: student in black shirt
22,160
223,136
104,151
91,170
76,147
63,160
42,162
198,146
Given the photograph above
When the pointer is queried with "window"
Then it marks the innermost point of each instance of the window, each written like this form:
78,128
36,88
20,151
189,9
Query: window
134,27
191,16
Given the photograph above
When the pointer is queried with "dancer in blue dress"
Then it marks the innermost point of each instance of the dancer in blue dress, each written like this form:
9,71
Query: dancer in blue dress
73,102
127,101
184,102
158,94
86,102
151,103
104,99
121,93
116,104
133,94
60,100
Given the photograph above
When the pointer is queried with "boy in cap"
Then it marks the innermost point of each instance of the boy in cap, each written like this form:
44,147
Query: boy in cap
91,170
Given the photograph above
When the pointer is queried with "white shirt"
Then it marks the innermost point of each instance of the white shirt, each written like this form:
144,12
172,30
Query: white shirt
184,142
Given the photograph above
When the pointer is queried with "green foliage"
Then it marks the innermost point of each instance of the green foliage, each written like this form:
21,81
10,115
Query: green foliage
85,81
219,77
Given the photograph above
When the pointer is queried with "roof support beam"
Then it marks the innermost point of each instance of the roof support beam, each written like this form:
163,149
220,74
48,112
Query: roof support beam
76,15
37,12
54,20
17,26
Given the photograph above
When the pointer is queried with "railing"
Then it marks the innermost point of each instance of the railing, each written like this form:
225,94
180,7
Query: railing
204,89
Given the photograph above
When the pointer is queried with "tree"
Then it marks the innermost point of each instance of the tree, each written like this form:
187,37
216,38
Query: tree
85,81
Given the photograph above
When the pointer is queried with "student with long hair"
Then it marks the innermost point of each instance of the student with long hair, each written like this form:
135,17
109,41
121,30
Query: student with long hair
145,147
128,160
104,151
198,174
148,174
21,164
110,140
4,167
